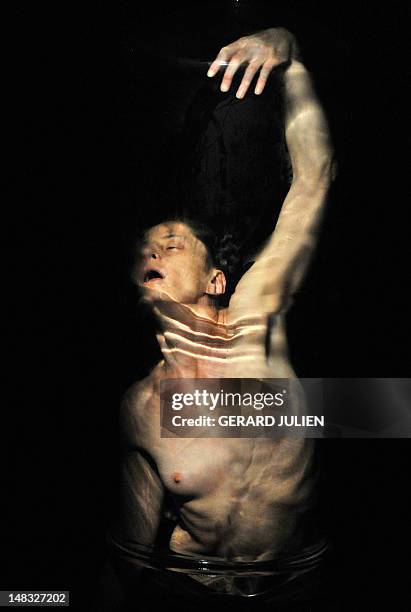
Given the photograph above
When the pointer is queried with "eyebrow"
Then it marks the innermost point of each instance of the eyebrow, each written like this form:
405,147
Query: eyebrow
171,235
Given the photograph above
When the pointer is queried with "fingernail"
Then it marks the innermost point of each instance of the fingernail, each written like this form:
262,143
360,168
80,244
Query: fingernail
239,94
210,73
224,87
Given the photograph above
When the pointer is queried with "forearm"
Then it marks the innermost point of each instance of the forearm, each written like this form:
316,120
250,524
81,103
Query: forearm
306,130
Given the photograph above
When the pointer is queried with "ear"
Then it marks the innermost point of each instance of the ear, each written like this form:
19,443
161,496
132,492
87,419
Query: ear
217,283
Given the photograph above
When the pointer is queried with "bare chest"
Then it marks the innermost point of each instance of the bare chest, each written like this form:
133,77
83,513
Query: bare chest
225,468
194,468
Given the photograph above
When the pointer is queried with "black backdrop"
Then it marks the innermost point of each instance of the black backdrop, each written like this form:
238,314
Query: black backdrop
93,111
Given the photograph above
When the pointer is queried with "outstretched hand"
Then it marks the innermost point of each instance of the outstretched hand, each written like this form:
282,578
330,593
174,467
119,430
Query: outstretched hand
261,51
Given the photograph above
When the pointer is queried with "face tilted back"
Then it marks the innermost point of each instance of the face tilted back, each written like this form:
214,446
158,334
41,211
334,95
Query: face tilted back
174,265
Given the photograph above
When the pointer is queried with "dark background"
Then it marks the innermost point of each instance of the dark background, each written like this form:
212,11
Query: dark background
93,110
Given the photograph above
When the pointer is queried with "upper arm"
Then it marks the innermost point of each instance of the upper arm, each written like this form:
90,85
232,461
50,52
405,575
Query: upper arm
142,493
141,498
268,285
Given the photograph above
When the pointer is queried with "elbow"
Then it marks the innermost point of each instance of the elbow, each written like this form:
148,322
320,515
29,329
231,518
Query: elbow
318,176
325,173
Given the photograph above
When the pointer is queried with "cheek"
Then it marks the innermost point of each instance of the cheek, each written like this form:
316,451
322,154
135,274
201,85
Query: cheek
189,270
188,276
197,277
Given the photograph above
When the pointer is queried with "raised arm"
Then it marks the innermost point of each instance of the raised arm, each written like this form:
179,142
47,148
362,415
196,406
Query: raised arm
268,286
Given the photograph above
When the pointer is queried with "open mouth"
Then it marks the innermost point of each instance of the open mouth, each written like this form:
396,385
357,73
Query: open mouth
152,275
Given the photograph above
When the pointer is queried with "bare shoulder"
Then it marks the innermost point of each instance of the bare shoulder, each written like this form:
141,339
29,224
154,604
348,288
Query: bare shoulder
136,411
137,395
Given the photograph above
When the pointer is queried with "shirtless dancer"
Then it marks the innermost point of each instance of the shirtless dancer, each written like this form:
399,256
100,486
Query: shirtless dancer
236,499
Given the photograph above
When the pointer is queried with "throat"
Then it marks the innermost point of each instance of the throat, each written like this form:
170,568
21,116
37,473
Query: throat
193,346
189,359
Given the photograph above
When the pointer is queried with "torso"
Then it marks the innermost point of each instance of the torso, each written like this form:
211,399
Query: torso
239,499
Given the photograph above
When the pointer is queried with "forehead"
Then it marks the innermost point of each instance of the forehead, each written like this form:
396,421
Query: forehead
171,229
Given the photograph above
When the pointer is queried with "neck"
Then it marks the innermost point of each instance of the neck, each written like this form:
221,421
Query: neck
192,340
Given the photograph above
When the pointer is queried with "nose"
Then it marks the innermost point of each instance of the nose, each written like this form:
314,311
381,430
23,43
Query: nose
150,252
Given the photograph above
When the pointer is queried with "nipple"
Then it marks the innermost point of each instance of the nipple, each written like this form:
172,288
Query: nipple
177,477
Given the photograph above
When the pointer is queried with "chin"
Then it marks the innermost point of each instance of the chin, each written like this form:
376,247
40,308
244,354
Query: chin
150,295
